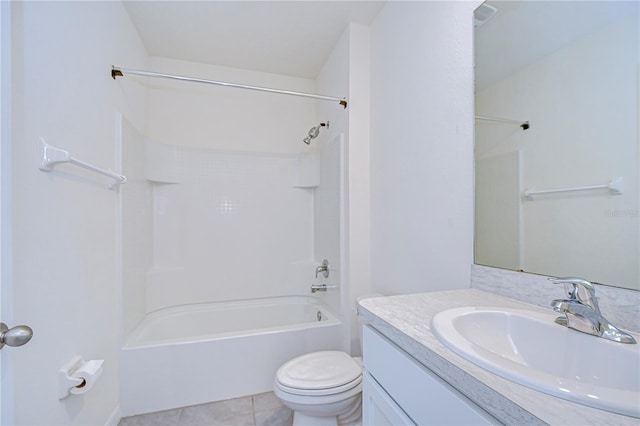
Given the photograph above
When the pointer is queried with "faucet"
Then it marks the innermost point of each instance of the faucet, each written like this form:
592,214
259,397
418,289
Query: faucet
324,268
582,313
321,287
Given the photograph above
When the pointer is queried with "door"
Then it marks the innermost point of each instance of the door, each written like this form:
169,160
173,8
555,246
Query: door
5,413
9,336
4,137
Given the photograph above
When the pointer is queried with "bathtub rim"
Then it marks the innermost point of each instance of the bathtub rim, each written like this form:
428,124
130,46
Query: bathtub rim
131,341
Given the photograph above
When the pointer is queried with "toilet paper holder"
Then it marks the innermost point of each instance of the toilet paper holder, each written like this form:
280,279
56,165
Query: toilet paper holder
78,376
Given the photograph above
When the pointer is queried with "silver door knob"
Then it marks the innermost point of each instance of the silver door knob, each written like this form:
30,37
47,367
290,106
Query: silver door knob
15,336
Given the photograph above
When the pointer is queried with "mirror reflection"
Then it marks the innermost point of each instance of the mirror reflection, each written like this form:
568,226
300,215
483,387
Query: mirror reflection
557,159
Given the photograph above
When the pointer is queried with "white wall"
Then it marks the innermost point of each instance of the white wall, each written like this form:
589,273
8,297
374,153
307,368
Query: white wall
346,74
231,119
422,146
333,81
583,133
64,245
358,232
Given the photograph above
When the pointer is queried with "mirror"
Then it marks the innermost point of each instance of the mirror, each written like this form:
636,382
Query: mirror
556,155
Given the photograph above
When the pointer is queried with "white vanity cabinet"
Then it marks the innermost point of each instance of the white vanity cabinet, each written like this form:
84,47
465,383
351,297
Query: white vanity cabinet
377,406
398,390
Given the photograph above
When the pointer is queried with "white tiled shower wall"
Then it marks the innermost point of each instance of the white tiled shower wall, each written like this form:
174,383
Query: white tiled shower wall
234,227
136,221
327,217
203,225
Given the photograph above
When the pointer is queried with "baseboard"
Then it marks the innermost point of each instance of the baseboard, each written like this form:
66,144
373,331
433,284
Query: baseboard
115,417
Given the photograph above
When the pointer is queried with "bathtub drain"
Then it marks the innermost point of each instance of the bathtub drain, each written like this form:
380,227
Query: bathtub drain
319,316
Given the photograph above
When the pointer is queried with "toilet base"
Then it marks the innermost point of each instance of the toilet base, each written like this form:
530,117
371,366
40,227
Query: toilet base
300,419
351,417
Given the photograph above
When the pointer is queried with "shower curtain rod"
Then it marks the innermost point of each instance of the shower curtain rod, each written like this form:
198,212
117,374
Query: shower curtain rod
119,72
524,124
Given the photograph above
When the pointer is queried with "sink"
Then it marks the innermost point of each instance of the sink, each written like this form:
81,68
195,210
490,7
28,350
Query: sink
528,348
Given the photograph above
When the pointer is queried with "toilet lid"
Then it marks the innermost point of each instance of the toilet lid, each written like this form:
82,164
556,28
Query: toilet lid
319,370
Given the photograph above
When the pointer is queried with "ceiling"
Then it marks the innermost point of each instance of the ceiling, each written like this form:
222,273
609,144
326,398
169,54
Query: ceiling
284,37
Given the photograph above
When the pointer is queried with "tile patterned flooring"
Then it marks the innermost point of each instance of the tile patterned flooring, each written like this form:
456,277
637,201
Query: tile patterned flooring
264,409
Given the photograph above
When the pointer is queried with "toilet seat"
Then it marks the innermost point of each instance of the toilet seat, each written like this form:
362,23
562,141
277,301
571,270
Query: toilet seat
319,373
320,392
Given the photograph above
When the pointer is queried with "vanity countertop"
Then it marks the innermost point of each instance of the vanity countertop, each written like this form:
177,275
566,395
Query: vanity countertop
406,320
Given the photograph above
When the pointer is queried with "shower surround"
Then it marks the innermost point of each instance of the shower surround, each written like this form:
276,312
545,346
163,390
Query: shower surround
212,227
227,226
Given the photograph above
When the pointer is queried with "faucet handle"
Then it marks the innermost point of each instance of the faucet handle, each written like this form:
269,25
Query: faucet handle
324,268
581,290
575,282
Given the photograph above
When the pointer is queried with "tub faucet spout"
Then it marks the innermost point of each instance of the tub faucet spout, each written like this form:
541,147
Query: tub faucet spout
321,287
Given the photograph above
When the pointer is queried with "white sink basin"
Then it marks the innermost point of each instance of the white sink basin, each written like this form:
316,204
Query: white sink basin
529,348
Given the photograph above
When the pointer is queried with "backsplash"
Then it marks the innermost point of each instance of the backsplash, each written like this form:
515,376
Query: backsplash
618,305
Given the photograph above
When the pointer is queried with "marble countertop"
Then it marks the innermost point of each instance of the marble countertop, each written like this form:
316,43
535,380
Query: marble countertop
406,320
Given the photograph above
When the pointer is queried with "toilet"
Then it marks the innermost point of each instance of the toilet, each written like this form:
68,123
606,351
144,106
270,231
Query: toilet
322,388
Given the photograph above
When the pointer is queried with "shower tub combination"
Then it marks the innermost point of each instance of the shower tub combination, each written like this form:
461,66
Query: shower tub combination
194,354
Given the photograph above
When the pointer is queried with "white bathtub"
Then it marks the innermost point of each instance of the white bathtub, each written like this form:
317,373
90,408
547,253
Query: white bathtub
194,354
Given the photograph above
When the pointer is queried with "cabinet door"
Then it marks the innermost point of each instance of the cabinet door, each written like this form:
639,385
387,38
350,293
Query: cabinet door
424,396
378,409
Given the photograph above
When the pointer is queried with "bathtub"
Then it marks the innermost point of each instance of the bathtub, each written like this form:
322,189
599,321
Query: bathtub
194,354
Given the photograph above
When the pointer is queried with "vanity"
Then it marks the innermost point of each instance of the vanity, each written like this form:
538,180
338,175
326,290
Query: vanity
413,378
398,390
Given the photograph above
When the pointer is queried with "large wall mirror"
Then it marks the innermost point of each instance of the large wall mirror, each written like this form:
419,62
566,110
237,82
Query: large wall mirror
557,158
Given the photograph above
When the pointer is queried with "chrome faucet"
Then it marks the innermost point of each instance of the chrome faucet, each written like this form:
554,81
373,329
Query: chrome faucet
582,313
321,287
324,268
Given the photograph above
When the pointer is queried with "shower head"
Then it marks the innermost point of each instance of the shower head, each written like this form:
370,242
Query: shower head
314,132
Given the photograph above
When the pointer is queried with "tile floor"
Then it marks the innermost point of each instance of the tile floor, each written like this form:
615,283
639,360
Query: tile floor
264,409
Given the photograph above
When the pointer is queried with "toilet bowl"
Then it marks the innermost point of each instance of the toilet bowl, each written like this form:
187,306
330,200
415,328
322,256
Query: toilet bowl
322,388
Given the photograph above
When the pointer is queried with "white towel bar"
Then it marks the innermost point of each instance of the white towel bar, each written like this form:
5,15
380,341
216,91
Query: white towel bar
614,186
51,156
